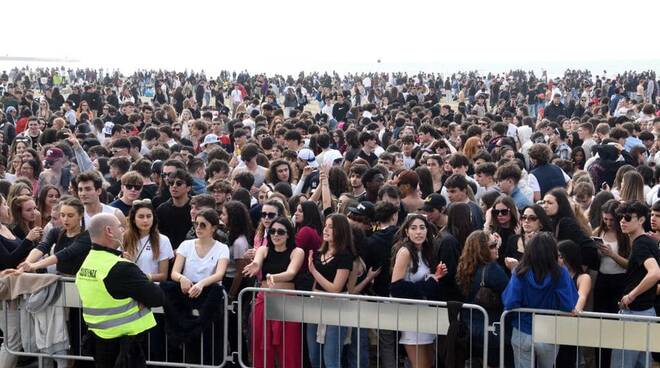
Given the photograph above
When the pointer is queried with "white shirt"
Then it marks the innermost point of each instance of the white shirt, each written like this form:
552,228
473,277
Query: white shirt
104,209
146,260
196,268
236,96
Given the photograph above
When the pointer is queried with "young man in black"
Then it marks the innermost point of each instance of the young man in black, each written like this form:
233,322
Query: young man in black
642,275
174,215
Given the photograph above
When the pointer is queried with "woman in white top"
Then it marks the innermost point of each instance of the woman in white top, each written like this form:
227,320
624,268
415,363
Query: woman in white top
203,261
614,250
413,266
197,275
144,244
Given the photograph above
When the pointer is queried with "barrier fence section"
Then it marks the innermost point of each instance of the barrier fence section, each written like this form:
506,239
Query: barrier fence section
69,299
278,315
605,339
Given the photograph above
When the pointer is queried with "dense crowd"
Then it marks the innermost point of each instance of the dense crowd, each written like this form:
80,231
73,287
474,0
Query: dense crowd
504,190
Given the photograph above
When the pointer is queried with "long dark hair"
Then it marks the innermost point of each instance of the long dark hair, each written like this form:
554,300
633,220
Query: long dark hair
403,241
622,239
272,172
564,208
238,221
425,181
311,216
540,257
291,240
459,222
513,212
132,236
41,201
544,219
341,234
570,252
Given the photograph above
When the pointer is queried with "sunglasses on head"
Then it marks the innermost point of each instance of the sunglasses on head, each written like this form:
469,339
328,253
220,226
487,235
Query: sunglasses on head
201,225
503,212
280,232
269,215
133,186
529,218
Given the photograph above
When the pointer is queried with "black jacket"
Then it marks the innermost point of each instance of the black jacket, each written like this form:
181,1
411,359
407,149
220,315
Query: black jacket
553,111
126,280
379,254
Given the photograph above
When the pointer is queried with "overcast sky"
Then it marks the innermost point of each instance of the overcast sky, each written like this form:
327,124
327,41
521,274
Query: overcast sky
290,35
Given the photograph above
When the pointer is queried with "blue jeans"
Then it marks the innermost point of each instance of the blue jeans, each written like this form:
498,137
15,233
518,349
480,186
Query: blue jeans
544,354
632,358
331,349
352,349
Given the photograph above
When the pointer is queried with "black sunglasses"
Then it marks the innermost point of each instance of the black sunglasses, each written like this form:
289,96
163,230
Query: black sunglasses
529,218
280,232
175,183
133,186
269,215
201,225
628,217
503,212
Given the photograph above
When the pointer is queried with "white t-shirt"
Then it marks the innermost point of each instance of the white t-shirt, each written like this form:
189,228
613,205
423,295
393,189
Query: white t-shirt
146,260
239,248
196,268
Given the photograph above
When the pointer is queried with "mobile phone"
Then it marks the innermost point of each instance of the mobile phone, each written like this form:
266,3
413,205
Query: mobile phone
598,240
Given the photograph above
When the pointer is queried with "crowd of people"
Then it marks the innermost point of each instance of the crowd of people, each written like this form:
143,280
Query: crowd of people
503,190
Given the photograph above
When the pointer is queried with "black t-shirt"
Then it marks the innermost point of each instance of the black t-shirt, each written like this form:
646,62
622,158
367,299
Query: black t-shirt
311,181
340,261
643,248
174,222
371,158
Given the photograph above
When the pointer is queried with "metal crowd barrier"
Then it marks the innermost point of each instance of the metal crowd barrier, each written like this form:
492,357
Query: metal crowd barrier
69,298
588,330
357,312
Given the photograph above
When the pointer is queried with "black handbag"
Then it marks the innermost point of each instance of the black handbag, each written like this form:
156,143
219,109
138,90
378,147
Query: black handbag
485,296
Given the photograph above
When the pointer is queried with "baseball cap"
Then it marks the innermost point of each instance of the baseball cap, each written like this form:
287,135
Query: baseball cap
365,208
434,201
306,154
53,154
331,157
210,139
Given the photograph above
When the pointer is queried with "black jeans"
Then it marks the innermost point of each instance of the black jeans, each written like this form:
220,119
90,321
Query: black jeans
122,352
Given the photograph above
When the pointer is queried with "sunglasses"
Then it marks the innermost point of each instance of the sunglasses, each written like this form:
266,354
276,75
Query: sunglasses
133,187
142,201
280,232
492,245
175,183
503,212
628,217
268,215
201,225
531,218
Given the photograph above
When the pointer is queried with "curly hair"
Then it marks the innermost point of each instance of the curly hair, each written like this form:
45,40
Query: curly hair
475,254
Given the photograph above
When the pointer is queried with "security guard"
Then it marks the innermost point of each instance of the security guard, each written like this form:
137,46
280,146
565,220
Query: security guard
116,296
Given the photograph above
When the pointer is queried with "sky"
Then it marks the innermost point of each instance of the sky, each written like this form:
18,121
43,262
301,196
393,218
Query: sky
287,36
